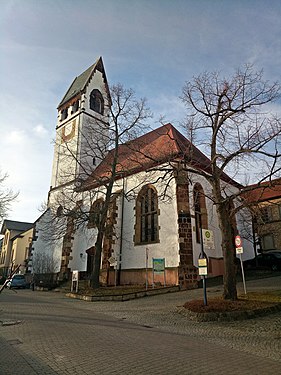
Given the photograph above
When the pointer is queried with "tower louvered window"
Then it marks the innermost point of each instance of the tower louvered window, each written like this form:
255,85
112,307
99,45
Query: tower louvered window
97,102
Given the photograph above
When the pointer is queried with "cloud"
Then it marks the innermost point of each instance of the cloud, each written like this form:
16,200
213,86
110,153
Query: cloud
151,46
15,137
40,130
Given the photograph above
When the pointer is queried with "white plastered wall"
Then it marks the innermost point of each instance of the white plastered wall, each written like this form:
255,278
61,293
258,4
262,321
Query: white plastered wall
46,246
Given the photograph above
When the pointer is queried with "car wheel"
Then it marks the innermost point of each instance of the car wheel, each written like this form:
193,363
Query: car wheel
274,267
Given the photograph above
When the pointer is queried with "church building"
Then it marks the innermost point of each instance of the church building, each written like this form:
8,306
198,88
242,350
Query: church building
158,211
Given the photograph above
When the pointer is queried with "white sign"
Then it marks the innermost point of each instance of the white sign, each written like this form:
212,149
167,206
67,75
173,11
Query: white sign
112,261
208,238
74,282
203,271
75,275
239,250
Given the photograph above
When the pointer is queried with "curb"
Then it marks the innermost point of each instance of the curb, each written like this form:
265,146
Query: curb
228,316
125,296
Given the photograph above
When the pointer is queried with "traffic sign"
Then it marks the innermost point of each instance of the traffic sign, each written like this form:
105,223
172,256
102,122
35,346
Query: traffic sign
239,250
238,241
208,239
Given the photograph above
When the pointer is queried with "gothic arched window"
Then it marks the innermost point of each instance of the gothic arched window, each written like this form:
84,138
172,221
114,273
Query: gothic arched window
201,218
146,229
96,101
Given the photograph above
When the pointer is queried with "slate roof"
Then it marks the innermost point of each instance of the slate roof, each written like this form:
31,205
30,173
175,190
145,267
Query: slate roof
265,191
80,82
161,145
15,225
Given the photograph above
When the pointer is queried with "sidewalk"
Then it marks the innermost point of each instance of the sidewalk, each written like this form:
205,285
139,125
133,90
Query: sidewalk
63,336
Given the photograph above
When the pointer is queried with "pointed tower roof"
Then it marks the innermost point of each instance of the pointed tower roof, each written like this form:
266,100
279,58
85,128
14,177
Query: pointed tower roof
79,84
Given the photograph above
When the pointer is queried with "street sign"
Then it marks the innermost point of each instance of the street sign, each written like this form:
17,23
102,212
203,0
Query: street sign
112,261
202,267
208,239
203,271
202,262
238,241
74,281
75,275
239,250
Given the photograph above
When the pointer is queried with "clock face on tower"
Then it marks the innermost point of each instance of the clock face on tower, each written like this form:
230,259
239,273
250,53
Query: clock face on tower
68,131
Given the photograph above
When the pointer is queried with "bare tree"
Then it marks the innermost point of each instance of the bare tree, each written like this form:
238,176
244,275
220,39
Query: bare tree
7,196
231,118
98,169
44,269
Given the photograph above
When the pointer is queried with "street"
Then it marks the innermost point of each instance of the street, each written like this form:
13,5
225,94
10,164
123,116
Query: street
48,333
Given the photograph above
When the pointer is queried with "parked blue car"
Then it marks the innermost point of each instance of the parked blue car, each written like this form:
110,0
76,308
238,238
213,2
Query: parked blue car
17,281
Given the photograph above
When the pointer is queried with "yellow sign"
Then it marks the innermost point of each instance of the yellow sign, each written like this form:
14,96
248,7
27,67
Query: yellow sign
202,262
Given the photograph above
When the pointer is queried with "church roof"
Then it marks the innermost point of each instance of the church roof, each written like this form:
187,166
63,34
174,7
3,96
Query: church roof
159,146
80,82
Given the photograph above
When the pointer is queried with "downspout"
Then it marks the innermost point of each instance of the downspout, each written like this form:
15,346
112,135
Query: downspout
121,234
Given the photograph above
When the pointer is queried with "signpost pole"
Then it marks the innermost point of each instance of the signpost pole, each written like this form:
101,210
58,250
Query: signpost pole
239,250
204,277
243,276
164,273
146,268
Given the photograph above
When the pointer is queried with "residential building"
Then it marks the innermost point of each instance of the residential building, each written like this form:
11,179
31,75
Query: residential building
265,202
16,242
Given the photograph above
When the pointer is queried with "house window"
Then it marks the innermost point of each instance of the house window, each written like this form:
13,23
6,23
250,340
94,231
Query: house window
96,101
268,242
200,211
96,212
147,230
265,214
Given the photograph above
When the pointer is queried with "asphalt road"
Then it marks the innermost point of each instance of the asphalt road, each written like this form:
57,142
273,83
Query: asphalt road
47,333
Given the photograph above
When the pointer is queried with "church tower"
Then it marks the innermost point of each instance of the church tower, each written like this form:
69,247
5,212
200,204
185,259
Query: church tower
82,123
81,131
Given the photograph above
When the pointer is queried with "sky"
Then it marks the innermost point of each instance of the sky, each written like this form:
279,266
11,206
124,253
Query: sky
151,46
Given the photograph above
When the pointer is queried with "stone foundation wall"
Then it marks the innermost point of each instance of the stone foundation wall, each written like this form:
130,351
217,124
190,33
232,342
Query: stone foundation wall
138,277
187,273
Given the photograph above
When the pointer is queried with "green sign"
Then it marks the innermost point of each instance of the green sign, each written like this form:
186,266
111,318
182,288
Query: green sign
158,264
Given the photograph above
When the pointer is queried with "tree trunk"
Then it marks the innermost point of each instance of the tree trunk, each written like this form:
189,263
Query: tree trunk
95,275
228,248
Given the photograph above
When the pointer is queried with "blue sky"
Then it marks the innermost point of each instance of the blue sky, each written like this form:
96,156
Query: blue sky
152,46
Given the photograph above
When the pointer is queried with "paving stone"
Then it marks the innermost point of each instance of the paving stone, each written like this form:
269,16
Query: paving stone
61,336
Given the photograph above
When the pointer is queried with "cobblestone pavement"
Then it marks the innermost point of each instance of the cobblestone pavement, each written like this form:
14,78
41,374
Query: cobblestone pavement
47,333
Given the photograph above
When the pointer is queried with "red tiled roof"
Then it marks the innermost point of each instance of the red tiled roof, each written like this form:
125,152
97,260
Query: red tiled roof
161,145
265,191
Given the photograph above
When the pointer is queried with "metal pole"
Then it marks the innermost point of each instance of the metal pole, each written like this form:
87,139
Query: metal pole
121,234
164,273
243,276
203,255
152,273
146,268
